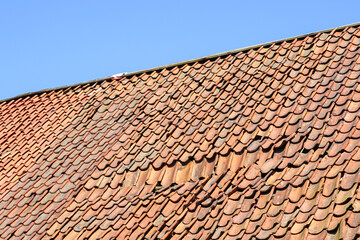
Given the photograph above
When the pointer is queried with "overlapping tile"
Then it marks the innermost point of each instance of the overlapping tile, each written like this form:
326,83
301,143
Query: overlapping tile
260,143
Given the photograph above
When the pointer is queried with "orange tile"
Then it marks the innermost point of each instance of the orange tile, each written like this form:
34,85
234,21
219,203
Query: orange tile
260,143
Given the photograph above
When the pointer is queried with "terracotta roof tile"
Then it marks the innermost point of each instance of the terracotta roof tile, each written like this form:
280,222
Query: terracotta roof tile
260,142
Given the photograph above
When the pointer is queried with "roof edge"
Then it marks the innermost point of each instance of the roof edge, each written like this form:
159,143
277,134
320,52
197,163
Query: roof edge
208,57
237,50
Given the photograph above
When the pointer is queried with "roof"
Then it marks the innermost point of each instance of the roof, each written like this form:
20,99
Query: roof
259,143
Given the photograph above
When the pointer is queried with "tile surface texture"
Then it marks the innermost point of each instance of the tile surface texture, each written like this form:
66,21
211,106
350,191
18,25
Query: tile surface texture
256,144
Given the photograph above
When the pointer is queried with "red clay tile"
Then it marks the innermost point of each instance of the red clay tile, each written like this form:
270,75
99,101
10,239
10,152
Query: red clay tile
260,143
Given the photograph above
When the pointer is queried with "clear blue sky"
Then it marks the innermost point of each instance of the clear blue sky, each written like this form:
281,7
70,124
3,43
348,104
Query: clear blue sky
46,44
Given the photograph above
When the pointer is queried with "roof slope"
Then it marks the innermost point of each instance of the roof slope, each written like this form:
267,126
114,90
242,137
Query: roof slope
257,143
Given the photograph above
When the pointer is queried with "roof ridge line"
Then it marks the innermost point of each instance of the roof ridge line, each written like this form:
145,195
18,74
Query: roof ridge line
208,57
238,50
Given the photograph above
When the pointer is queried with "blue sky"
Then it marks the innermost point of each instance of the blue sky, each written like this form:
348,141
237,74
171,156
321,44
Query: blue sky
46,44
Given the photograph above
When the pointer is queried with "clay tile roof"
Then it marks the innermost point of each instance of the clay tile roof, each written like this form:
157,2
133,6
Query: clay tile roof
259,142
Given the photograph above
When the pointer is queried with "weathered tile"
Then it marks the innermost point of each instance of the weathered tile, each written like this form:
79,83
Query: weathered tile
260,143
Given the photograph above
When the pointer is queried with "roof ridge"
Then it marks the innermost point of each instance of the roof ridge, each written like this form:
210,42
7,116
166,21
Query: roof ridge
208,57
